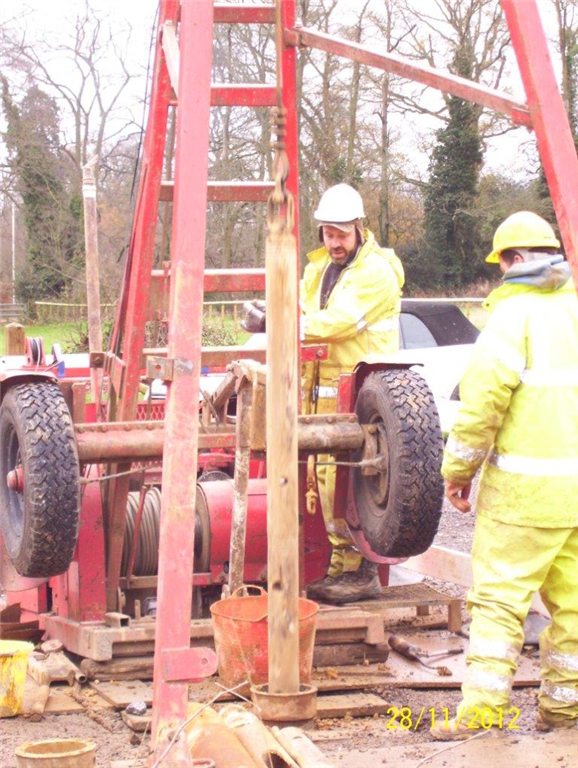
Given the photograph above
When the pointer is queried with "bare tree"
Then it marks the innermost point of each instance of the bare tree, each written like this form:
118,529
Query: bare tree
567,22
86,69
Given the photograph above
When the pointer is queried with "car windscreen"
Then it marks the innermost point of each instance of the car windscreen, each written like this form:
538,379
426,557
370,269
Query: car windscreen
445,323
414,333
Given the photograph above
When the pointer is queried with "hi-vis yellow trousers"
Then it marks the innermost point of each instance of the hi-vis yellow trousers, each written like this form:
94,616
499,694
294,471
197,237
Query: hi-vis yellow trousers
510,563
344,555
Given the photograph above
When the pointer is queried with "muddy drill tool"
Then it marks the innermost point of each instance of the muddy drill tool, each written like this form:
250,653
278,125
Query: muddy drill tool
415,653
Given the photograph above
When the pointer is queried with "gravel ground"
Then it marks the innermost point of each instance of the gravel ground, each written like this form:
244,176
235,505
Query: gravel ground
116,744
456,529
360,734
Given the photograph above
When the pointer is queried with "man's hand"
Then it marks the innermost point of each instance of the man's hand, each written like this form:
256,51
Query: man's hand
458,494
254,320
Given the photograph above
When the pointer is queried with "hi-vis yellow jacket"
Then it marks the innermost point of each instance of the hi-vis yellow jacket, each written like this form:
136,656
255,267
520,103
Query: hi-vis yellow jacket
519,408
361,317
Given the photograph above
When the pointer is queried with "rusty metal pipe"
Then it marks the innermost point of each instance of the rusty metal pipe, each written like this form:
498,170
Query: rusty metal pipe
97,447
327,438
136,441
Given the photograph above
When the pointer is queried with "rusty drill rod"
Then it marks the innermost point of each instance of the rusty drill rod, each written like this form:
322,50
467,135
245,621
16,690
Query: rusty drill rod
136,441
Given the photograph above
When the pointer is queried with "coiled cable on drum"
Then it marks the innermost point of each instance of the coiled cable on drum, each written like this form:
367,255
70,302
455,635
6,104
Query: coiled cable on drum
147,554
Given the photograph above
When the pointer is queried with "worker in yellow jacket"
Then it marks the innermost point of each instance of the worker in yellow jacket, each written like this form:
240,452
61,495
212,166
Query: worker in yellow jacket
350,300
519,418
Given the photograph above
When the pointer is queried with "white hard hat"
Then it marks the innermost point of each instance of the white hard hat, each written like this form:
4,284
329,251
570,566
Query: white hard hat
339,204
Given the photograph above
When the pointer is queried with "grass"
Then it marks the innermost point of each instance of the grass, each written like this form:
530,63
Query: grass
476,314
51,334
66,333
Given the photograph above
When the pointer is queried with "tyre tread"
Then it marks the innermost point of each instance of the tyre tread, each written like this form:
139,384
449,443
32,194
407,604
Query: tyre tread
52,479
414,514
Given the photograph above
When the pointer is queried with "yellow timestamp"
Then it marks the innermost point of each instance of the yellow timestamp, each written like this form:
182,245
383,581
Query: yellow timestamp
475,718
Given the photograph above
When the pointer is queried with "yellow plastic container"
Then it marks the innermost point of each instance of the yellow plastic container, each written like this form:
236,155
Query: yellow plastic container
13,665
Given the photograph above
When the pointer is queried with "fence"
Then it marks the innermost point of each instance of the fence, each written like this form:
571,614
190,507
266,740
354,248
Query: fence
57,312
49,312
11,313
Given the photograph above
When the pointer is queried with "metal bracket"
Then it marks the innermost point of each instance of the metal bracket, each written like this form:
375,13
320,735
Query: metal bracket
160,368
96,359
167,368
189,665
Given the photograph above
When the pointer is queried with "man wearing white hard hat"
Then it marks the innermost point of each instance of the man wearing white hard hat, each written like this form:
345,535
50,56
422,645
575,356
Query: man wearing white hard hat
351,299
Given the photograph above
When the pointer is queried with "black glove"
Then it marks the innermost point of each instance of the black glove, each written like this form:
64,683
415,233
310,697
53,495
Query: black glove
254,320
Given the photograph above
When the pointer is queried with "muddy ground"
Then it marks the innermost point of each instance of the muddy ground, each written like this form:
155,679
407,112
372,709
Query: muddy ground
350,743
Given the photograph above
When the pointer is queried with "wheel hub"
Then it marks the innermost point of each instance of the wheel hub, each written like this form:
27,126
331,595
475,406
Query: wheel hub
15,479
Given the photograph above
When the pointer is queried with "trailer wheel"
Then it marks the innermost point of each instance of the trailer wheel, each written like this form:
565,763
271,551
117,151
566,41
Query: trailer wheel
400,507
39,479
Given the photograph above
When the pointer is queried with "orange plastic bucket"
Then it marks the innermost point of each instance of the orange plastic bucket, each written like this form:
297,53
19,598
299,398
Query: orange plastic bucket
241,631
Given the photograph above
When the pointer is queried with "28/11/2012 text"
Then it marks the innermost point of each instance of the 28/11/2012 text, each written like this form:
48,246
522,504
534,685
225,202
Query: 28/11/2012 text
475,718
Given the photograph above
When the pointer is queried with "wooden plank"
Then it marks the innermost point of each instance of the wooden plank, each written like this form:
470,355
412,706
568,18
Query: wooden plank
137,723
60,701
120,694
350,705
451,565
411,674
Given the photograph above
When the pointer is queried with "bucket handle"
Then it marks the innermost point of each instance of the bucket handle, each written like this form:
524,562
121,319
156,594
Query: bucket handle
244,590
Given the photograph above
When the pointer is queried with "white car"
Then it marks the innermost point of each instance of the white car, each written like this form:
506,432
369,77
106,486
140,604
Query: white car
436,336
439,338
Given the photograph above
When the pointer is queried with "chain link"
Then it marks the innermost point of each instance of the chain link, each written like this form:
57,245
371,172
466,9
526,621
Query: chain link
280,205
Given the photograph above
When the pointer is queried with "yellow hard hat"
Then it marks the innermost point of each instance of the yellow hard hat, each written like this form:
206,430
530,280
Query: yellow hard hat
522,230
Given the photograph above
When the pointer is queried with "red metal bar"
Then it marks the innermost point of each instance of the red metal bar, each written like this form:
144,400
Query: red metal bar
216,281
234,280
241,95
226,13
549,119
228,191
177,529
129,332
289,76
421,73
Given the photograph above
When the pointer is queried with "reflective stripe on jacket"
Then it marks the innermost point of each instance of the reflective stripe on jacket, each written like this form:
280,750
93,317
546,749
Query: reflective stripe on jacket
519,409
362,313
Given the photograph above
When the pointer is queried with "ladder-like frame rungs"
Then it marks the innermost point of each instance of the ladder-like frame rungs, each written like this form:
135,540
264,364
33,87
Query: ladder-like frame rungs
228,191
226,13
243,95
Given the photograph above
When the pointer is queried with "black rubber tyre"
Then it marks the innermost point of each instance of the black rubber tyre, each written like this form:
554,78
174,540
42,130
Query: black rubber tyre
400,508
40,524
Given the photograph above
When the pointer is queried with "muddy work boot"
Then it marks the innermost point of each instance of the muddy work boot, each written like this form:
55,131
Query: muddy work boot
453,730
546,723
350,587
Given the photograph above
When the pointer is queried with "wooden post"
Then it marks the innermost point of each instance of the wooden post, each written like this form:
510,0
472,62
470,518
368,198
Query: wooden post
14,339
282,491
241,484
92,273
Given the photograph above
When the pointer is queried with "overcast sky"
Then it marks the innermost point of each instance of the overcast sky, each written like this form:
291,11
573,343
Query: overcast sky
47,18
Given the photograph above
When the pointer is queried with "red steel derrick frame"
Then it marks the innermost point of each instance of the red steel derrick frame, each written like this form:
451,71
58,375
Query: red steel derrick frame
175,662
